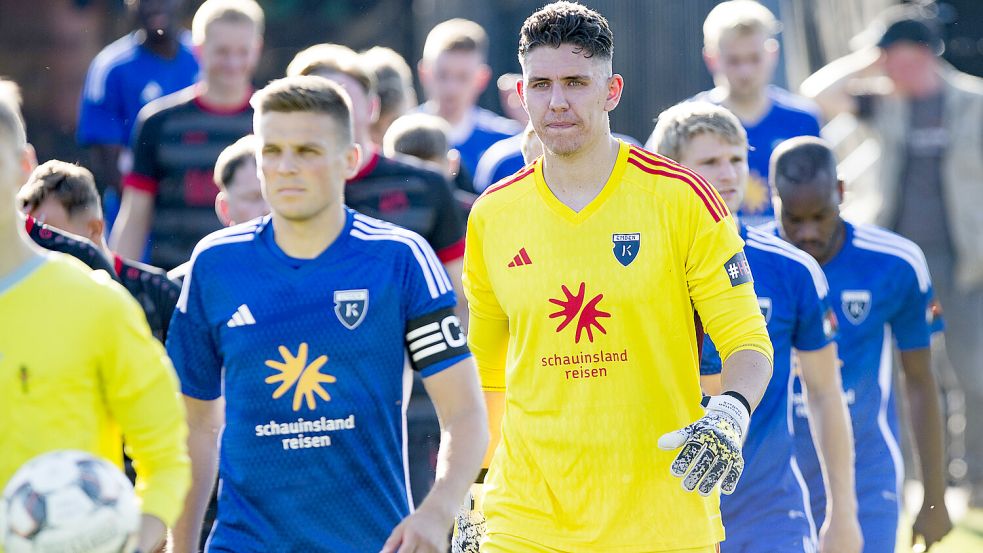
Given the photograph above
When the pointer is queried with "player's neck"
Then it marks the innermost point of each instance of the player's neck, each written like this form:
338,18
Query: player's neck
836,244
748,107
18,248
225,97
165,46
578,178
455,117
309,238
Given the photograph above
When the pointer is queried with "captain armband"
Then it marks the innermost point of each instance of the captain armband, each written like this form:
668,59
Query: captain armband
434,338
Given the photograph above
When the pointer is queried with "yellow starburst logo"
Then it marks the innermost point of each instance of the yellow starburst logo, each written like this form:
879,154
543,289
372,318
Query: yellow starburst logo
295,370
757,196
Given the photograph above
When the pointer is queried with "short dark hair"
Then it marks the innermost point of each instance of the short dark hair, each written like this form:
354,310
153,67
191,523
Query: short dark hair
567,23
394,79
419,135
803,160
307,94
456,35
73,186
232,158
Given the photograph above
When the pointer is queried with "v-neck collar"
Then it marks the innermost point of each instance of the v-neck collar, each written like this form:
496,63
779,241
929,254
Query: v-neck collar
285,264
577,217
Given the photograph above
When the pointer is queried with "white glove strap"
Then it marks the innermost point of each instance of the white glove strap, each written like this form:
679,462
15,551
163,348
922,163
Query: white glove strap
732,408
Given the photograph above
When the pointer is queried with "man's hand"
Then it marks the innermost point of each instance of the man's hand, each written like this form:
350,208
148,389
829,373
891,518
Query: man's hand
711,446
425,531
931,524
841,535
469,526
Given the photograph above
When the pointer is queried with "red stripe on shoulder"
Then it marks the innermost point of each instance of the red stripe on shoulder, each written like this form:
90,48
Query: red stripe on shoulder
515,178
696,188
662,161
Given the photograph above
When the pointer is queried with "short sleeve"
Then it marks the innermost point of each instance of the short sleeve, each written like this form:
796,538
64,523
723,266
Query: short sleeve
814,326
447,235
488,328
145,174
434,337
911,322
101,113
192,344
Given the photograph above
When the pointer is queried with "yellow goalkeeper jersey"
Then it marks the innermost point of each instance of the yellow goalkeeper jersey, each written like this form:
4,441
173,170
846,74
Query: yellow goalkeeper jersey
586,321
78,366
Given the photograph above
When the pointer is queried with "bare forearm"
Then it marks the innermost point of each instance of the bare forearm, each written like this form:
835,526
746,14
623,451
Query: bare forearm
747,372
926,423
152,533
832,433
203,449
130,232
463,442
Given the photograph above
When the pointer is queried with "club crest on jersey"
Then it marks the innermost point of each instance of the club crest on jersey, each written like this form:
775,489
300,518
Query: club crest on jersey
856,305
350,306
765,305
626,247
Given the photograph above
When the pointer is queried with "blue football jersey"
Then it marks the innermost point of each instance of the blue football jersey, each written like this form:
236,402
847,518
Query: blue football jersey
880,290
481,130
123,78
313,359
789,116
771,498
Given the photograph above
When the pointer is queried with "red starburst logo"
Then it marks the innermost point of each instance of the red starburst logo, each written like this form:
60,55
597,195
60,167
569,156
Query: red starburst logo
587,318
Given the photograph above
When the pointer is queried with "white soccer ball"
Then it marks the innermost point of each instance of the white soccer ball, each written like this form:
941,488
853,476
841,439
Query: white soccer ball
69,502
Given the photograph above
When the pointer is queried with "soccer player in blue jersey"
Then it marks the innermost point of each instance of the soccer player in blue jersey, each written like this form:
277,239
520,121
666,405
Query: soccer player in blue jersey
307,323
761,516
741,52
880,291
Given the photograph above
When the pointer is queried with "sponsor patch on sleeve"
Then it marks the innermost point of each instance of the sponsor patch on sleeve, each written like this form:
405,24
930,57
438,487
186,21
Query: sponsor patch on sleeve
738,270
831,326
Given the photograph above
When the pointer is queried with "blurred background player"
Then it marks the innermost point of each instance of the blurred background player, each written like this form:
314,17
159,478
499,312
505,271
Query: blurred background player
539,258
769,511
741,53
153,61
508,97
928,182
64,196
454,72
333,304
106,377
169,193
880,291
394,85
411,197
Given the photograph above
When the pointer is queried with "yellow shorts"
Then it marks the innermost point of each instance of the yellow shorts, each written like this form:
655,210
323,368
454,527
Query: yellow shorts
504,543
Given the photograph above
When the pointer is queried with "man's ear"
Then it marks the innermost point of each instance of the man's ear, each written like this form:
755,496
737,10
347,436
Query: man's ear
840,187
711,61
222,208
483,77
96,227
28,162
353,157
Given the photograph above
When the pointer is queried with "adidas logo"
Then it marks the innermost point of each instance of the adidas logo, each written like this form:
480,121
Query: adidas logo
241,317
520,259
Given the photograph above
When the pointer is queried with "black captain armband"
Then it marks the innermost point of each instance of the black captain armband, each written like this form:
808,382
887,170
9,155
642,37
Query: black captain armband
434,338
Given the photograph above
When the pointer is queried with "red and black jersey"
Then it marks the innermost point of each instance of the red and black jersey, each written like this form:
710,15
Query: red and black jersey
155,293
57,240
176,141
411,197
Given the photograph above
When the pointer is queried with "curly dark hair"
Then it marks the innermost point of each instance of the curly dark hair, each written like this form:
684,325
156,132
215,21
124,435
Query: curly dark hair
567,22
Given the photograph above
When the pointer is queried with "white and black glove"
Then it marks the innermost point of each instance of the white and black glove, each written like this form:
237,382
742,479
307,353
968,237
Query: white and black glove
711,451
469,525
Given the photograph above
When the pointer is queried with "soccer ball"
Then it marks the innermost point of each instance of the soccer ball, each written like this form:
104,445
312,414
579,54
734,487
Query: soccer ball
69,502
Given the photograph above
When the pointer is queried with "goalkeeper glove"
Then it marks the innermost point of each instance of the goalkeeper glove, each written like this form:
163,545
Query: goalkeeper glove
469,526
711,446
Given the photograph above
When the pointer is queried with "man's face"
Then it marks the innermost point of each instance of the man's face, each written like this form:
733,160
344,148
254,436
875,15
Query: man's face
230,53
303,163
52,212
158,18
908,65
454,80
745,61
809,215
721,162
567,97
244,195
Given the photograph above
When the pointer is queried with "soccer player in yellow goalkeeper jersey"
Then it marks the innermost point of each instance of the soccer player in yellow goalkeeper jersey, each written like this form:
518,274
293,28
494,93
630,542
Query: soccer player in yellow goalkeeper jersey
584,273
78,365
